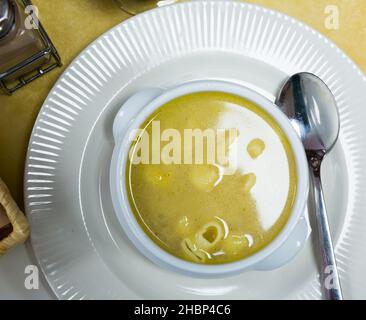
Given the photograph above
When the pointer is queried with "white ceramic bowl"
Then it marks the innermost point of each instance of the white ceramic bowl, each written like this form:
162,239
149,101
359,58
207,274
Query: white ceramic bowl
280,251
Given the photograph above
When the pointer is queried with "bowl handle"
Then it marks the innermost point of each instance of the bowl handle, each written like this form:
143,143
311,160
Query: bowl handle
131,108
289,249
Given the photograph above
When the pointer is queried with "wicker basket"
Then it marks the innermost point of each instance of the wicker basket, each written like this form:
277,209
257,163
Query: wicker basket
20,232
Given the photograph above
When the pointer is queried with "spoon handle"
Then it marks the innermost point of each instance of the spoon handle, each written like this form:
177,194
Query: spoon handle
329,275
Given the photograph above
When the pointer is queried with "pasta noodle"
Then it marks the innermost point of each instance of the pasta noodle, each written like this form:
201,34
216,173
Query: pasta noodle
209,235
193,252
235,244
206,241
204,177
255,148
249,182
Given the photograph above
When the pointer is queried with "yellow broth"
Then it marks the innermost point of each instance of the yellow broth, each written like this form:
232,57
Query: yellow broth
199,214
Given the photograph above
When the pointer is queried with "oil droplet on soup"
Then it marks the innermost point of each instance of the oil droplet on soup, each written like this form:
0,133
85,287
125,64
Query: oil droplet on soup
215,213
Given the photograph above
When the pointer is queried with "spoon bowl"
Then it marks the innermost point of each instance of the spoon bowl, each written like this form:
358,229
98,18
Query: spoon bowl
312,109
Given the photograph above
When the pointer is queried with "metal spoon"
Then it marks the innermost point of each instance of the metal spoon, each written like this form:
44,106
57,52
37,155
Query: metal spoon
312,110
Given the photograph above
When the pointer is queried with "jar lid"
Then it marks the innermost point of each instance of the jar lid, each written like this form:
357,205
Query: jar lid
6,17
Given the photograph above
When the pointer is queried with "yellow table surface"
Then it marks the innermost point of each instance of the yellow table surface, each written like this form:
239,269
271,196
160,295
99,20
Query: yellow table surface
73,24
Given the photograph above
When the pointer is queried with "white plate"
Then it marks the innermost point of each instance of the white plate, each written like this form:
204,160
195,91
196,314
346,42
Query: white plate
75,233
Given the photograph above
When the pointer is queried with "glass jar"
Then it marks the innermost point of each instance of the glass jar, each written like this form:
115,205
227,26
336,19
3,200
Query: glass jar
24,48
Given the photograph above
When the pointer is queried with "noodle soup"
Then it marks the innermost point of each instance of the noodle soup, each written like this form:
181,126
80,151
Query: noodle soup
214,208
